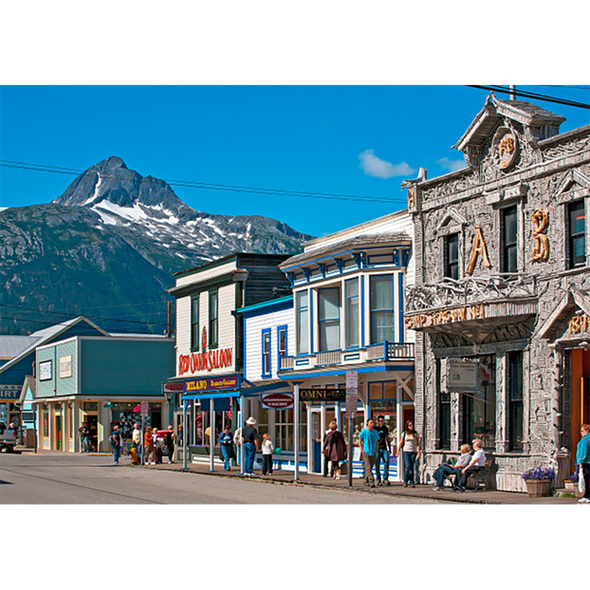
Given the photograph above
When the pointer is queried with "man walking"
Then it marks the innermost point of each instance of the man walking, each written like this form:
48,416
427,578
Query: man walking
83,433
368,444
383,452
250,436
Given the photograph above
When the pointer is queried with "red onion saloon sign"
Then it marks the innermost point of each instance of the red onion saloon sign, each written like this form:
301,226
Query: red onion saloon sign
205,361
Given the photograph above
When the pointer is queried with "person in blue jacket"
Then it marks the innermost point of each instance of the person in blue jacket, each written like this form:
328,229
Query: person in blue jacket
583,460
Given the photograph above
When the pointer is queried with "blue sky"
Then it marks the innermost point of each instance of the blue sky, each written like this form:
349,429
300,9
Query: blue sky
352,140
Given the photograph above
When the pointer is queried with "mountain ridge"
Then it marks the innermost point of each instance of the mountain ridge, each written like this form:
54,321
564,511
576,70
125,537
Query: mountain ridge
114,234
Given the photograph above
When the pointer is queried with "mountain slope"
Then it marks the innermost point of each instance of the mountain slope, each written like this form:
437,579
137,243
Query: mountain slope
108,247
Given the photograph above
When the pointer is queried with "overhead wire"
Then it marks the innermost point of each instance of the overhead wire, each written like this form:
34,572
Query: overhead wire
204,185
74,315
533,95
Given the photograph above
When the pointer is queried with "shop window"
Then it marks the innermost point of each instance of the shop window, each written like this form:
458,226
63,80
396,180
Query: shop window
45,421
577,234
383,402
509,225
479,407
382,309
302,319
515,401
451,256
444,420
329,318
284,430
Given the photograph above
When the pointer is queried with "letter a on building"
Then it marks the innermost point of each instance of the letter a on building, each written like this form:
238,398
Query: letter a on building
479,247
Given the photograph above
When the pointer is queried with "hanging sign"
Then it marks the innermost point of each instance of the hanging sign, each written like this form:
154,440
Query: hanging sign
462,375
277,401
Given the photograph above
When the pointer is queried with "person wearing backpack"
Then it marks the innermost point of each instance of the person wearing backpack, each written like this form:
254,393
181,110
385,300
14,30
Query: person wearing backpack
583,461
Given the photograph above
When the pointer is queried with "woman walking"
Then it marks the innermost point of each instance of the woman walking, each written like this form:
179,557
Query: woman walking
409,444
335,449
148,443
170,438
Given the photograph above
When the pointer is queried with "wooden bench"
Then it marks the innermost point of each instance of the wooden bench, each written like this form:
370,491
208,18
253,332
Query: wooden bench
481,479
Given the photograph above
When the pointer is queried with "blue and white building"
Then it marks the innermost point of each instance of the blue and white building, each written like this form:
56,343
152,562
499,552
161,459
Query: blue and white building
346,313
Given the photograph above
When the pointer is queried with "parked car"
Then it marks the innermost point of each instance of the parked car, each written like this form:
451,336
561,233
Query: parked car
7,438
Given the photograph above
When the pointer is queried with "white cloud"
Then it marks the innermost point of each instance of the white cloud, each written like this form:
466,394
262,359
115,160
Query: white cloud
451,165
371,165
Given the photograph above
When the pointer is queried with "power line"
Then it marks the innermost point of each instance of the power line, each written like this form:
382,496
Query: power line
206,186
71,315
533,95
562,86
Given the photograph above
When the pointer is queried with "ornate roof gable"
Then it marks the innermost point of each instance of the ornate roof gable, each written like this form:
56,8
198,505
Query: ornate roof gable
503,137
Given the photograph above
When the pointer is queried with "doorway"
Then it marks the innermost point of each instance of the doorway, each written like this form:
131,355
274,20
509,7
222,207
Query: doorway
92,423
58,431
320,418
580,399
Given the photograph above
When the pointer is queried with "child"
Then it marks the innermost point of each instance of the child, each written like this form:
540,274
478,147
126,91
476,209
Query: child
267,449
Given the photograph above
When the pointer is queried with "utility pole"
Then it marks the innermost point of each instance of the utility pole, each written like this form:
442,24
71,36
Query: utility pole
512,90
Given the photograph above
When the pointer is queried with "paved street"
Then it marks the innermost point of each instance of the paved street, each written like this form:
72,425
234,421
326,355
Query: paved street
62,478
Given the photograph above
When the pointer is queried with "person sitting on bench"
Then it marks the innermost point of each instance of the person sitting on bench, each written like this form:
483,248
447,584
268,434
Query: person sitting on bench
478,462
446,469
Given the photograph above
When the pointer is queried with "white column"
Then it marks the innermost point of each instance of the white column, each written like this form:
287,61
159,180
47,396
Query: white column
309,417
212,438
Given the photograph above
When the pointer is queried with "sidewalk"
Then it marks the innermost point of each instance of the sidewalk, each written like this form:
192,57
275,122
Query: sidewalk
395,489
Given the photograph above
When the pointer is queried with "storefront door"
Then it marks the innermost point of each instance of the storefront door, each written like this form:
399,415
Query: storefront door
58,432
580,397
92,421
321,417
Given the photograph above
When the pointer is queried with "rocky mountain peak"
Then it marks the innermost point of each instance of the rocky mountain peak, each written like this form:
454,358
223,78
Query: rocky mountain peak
111,182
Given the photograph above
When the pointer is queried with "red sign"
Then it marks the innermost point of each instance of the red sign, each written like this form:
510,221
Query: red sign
172,387
205,361
277,401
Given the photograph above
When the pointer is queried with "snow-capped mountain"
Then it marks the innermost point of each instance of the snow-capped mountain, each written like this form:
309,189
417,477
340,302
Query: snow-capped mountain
107,247
124,199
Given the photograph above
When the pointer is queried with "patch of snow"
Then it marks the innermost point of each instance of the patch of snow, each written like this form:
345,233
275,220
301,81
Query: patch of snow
95,194
135,213
106,219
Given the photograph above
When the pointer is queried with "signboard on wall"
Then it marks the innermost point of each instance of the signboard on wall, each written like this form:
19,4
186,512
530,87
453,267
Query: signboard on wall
462,375
65,366
10,392
45,370
225,383
322,395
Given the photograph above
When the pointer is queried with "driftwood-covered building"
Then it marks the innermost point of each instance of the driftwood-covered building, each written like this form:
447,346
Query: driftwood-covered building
501,304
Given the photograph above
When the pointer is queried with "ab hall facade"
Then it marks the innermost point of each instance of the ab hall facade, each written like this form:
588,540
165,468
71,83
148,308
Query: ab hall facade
501,302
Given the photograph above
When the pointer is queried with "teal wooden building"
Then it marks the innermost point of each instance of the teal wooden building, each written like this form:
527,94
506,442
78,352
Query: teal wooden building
100,380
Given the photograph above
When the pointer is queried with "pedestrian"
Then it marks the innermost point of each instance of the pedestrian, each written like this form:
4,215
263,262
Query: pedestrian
158,443
136,437
83,432
180,436
368,444
384,452
135,450
226,444
250,438
335,449
583,460
148,443
116,442
267,449
170,438
409,445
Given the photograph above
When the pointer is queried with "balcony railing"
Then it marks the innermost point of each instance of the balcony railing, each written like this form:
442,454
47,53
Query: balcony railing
384,351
